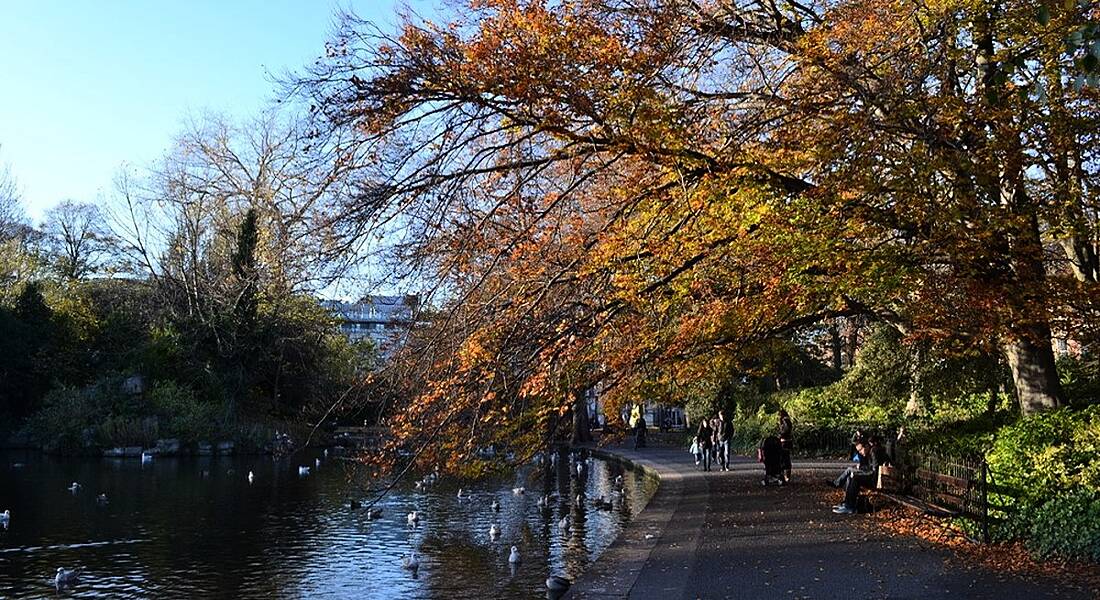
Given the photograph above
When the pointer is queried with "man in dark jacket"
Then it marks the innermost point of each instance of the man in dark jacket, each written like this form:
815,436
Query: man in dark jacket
724,435
866,476
639,432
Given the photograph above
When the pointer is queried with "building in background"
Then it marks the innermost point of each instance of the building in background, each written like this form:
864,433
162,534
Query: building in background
385,320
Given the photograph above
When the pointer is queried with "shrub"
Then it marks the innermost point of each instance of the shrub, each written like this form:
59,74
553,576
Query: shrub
183,415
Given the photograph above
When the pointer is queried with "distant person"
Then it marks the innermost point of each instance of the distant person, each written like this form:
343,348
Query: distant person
639,432
786,441
724,435
770,453
863,478
863,464
705,438
714,439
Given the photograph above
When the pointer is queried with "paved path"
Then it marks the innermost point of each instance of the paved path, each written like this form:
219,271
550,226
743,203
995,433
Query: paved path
723,535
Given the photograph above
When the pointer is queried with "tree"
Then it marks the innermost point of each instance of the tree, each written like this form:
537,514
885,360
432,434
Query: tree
696,177
78,240
234,230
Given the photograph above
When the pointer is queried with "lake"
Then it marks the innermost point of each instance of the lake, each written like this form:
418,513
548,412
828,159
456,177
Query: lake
195,527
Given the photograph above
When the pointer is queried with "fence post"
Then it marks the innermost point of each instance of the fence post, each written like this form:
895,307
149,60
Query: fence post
985,501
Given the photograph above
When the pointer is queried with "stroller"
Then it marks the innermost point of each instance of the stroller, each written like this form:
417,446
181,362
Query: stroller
770,453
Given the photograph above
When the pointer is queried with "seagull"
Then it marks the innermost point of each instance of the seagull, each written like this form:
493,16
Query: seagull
326,452
518,491
5,518
494,530
564,524
619,480
460,496
146,457
410,562
557,583
413,518
513,558
374,513
317,463
495,505
580,469
303,471
65,578
75,487
542,502
251,478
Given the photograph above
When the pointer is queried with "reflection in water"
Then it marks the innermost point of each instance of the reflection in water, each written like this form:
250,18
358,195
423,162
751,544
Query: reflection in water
200,527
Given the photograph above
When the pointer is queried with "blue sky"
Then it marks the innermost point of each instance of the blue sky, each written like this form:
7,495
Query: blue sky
90,85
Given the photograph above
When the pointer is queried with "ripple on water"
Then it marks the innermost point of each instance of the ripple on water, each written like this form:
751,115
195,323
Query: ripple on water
170,531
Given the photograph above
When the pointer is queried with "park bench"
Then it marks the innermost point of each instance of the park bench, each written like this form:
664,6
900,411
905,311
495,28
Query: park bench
950,491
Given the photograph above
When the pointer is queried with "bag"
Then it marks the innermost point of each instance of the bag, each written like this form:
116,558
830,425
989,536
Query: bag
694,448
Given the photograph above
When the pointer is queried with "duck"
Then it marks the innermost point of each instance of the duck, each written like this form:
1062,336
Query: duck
251,478
303,471
495,506
374,513
413,518
557,583
355,504
101,499
494,530
602,504
410,562
65,578
519,491
75,487
513,558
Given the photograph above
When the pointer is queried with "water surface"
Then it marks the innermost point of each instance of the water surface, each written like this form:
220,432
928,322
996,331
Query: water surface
195,527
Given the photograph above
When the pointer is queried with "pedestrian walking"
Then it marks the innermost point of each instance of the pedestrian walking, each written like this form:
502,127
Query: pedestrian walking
724,435
786,441
705,438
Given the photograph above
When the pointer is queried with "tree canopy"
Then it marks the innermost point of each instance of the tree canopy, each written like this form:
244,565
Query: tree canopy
620,190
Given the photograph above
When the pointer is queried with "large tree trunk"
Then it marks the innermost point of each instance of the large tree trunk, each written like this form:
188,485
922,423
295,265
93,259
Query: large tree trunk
836,346
1031,360
915,404
581,432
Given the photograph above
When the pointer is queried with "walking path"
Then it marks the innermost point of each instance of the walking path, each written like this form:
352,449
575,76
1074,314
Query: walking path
723,535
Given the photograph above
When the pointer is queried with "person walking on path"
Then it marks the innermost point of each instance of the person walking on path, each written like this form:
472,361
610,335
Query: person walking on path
639,432
705,438
724,435
786,440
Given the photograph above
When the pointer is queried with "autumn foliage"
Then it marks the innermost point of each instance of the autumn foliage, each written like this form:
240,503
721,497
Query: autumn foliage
615,193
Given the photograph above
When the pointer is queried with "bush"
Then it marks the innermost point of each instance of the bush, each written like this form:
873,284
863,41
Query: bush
1051,462
183,416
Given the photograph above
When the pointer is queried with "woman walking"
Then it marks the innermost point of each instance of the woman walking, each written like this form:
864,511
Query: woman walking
705,438
786,441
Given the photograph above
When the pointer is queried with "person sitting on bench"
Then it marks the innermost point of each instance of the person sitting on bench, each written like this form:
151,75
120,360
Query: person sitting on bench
863,478
863,464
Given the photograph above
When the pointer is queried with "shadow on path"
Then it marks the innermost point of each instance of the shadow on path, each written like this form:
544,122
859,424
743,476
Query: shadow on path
724,535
